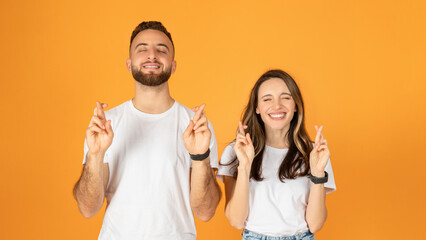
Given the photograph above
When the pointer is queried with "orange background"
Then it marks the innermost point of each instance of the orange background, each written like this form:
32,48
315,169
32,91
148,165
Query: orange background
360,66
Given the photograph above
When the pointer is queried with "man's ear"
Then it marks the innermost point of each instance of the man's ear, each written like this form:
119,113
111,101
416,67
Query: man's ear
129,65
174,65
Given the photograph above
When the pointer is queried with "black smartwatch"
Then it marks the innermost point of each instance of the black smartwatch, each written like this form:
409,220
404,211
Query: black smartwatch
200,157
319,180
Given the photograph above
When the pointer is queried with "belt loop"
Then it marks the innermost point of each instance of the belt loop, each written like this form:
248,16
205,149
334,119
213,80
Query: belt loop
242,232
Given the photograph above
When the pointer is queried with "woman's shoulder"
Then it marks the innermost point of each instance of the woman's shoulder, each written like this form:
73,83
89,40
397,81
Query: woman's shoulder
228,154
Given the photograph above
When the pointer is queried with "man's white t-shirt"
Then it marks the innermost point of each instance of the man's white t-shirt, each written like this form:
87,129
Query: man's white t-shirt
148,192
275,208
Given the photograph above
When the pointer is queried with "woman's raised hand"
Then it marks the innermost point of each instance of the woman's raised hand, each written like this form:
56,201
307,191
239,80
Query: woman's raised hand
319,155
244,147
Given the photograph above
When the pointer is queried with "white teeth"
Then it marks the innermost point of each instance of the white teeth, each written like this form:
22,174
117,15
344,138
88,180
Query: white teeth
276,115
151,67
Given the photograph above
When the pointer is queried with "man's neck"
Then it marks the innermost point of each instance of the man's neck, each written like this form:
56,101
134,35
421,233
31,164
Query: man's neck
152,100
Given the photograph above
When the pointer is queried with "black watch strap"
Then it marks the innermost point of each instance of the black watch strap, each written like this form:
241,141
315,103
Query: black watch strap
200,157
319,180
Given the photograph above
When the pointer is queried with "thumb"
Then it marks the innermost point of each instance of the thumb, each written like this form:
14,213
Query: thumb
249,139
108,128
189,129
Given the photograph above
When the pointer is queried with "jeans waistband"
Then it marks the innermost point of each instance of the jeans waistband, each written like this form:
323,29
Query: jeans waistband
247,234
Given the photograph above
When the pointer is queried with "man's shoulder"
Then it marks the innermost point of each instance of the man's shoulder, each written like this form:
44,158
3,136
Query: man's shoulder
184,109
117,110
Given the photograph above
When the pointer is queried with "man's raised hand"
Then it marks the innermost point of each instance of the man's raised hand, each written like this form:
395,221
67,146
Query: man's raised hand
196,137
99,134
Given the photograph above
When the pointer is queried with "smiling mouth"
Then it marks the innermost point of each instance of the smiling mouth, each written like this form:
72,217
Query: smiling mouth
151,67
277,116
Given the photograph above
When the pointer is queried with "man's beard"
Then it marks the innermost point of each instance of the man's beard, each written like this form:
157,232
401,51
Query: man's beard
151,79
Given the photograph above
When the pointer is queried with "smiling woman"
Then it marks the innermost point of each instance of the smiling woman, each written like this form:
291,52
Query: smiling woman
275,178
276,105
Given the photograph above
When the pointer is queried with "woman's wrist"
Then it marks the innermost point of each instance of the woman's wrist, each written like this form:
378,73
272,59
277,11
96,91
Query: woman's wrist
244,169
318,174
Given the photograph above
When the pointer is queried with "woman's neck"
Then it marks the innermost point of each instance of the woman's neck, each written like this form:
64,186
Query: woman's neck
277,138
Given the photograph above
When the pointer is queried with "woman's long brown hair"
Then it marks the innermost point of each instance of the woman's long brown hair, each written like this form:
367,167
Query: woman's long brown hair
296,161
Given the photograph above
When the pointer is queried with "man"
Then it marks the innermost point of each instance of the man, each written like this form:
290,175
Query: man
150,157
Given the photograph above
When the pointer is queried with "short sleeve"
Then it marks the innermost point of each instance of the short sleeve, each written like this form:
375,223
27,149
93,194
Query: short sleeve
213,149
330,185
227,166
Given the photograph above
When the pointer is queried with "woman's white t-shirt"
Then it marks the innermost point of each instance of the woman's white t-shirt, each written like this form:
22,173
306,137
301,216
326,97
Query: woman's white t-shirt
276,208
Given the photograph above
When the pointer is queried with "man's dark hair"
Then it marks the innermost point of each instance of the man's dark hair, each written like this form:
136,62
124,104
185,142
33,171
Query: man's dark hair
154,25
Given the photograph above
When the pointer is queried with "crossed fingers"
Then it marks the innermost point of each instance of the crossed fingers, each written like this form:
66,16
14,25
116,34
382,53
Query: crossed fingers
320,141
99,110
200,119
242,137
98,120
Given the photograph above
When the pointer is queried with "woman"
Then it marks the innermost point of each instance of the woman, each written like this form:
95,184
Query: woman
275,178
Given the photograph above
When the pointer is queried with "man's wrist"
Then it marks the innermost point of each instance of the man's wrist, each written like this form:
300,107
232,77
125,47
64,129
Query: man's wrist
95,155
200,157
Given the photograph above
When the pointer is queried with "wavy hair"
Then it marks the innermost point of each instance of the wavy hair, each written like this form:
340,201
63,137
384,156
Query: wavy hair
296,161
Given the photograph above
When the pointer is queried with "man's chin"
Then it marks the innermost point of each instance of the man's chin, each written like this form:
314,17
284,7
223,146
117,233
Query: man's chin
152,80
152,84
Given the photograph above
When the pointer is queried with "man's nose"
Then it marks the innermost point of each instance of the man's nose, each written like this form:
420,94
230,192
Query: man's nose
152,55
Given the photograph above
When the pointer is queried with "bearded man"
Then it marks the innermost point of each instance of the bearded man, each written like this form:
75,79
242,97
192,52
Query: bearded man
151,158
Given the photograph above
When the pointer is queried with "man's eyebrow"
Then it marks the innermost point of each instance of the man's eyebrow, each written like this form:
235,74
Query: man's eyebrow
159,44
141,44
163,45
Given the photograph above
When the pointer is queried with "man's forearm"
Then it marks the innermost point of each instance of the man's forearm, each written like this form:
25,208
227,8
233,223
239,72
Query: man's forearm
205,192
89,190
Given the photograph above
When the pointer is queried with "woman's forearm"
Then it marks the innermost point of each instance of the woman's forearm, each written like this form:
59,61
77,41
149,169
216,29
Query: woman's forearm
316,211
237,209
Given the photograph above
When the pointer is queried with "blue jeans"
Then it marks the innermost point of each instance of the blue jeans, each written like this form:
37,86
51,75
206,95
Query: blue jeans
249,235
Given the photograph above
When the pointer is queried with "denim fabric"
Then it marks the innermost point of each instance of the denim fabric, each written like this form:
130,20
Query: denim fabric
249,235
